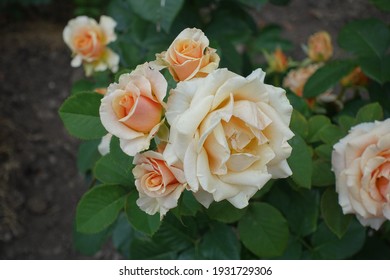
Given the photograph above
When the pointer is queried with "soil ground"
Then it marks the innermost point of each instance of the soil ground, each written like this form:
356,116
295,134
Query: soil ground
39,182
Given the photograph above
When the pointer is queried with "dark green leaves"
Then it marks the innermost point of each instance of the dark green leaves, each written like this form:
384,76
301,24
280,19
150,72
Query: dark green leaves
80,114
326,77
99,207
138,218
382,4
300,162
369,113
263,230
369,39
332,213
160,12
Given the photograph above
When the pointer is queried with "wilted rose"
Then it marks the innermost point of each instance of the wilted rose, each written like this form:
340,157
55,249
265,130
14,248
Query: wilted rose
159,184
132,108
88,41
361,163
230,133
189,56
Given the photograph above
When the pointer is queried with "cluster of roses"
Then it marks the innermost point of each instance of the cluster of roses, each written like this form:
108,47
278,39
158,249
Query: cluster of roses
219,135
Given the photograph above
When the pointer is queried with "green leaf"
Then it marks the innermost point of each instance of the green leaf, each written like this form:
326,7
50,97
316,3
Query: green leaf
188,205
328,246
87,155
174,234
82,86
326,77
225,212
331,134
139,219
299,207
109,171
377,68
256,4
80,114
293,250
322,173
122,235
263,230
383,5
365,37
333,215
159,12
300,162
316,124
99,207
230,58
346,122
220,243
324,151
369,113
269,39
89,244
120,10
147,249
299,124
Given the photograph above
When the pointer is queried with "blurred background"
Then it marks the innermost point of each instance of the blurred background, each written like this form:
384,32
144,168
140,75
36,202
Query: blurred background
40,184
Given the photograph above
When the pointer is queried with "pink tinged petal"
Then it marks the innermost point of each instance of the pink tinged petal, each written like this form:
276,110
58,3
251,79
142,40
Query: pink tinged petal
110,120
187,70
373,222
228,88
144,115
386,211
108,26
342,190
372,207
148,204
279,101
204,198
157,81
139,144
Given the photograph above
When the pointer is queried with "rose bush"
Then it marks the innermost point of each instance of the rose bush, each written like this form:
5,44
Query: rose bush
361,162
208,163
230,133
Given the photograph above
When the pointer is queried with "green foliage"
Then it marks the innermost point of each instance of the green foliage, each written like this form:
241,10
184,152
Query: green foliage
332,213
139,219
382,4
326,77
80,114
87,155
225,212
263,230
300,162
99,208
369,113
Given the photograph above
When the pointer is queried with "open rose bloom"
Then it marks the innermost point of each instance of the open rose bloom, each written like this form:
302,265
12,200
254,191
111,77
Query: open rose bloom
230,135
88,41
361,162
159,184
132,109
189,56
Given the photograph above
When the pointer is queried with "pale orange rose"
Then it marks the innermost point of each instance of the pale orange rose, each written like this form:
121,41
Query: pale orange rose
320,46
361,163
159,185
88,41
132,108
297,78
189,56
